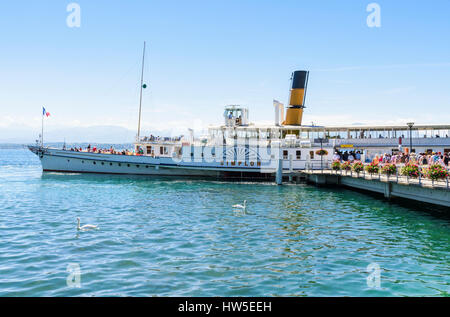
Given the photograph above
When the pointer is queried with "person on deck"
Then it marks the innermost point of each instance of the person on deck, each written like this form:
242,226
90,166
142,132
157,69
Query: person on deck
345,156
351,158
336,157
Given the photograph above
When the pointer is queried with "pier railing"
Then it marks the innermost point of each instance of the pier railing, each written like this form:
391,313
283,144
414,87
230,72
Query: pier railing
313,167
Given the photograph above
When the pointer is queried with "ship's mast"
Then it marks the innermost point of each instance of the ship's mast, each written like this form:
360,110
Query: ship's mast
140,98
42,131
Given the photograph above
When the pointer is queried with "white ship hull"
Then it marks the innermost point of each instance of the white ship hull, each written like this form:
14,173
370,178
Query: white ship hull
55,160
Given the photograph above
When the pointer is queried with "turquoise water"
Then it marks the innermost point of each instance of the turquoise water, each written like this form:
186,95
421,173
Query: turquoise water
168,237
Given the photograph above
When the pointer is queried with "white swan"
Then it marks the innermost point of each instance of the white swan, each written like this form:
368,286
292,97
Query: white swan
243,207
85,227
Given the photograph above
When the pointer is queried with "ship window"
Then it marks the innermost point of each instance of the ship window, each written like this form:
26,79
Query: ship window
95,162
311,154
285,154
128,165
120,164
110,164
137,166
68,160
146,166
298,154
82,162
103,163
161,150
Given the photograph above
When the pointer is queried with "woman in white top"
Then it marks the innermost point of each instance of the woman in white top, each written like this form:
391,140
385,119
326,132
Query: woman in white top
336,157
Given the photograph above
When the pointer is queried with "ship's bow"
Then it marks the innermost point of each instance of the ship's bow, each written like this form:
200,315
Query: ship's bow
35,149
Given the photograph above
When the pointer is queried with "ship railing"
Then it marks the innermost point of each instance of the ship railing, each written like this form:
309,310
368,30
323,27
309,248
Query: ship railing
323,165
146,139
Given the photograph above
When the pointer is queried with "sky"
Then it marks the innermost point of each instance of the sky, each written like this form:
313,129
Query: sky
203,55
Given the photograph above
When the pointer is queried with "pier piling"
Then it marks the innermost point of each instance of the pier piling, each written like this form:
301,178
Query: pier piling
279,173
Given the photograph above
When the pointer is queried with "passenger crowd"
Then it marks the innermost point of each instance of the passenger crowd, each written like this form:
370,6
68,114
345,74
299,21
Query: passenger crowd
399,158
419,158
345,156
111,150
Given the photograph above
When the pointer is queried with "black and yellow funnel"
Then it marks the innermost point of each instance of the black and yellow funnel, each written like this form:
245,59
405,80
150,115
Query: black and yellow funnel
294,112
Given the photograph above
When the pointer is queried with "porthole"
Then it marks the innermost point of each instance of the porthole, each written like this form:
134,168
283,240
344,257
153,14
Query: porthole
120,164
110,164
95,163
103,163
82,162
128,165
146,166
137,166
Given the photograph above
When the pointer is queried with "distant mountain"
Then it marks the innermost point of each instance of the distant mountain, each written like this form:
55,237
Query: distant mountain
92,134
10,146
98,134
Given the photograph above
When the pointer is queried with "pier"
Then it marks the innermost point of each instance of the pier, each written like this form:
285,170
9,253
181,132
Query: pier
394,186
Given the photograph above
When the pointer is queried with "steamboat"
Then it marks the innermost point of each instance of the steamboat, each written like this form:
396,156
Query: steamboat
236,149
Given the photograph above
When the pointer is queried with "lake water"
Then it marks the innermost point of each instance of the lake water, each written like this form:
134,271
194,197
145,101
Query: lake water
180,237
